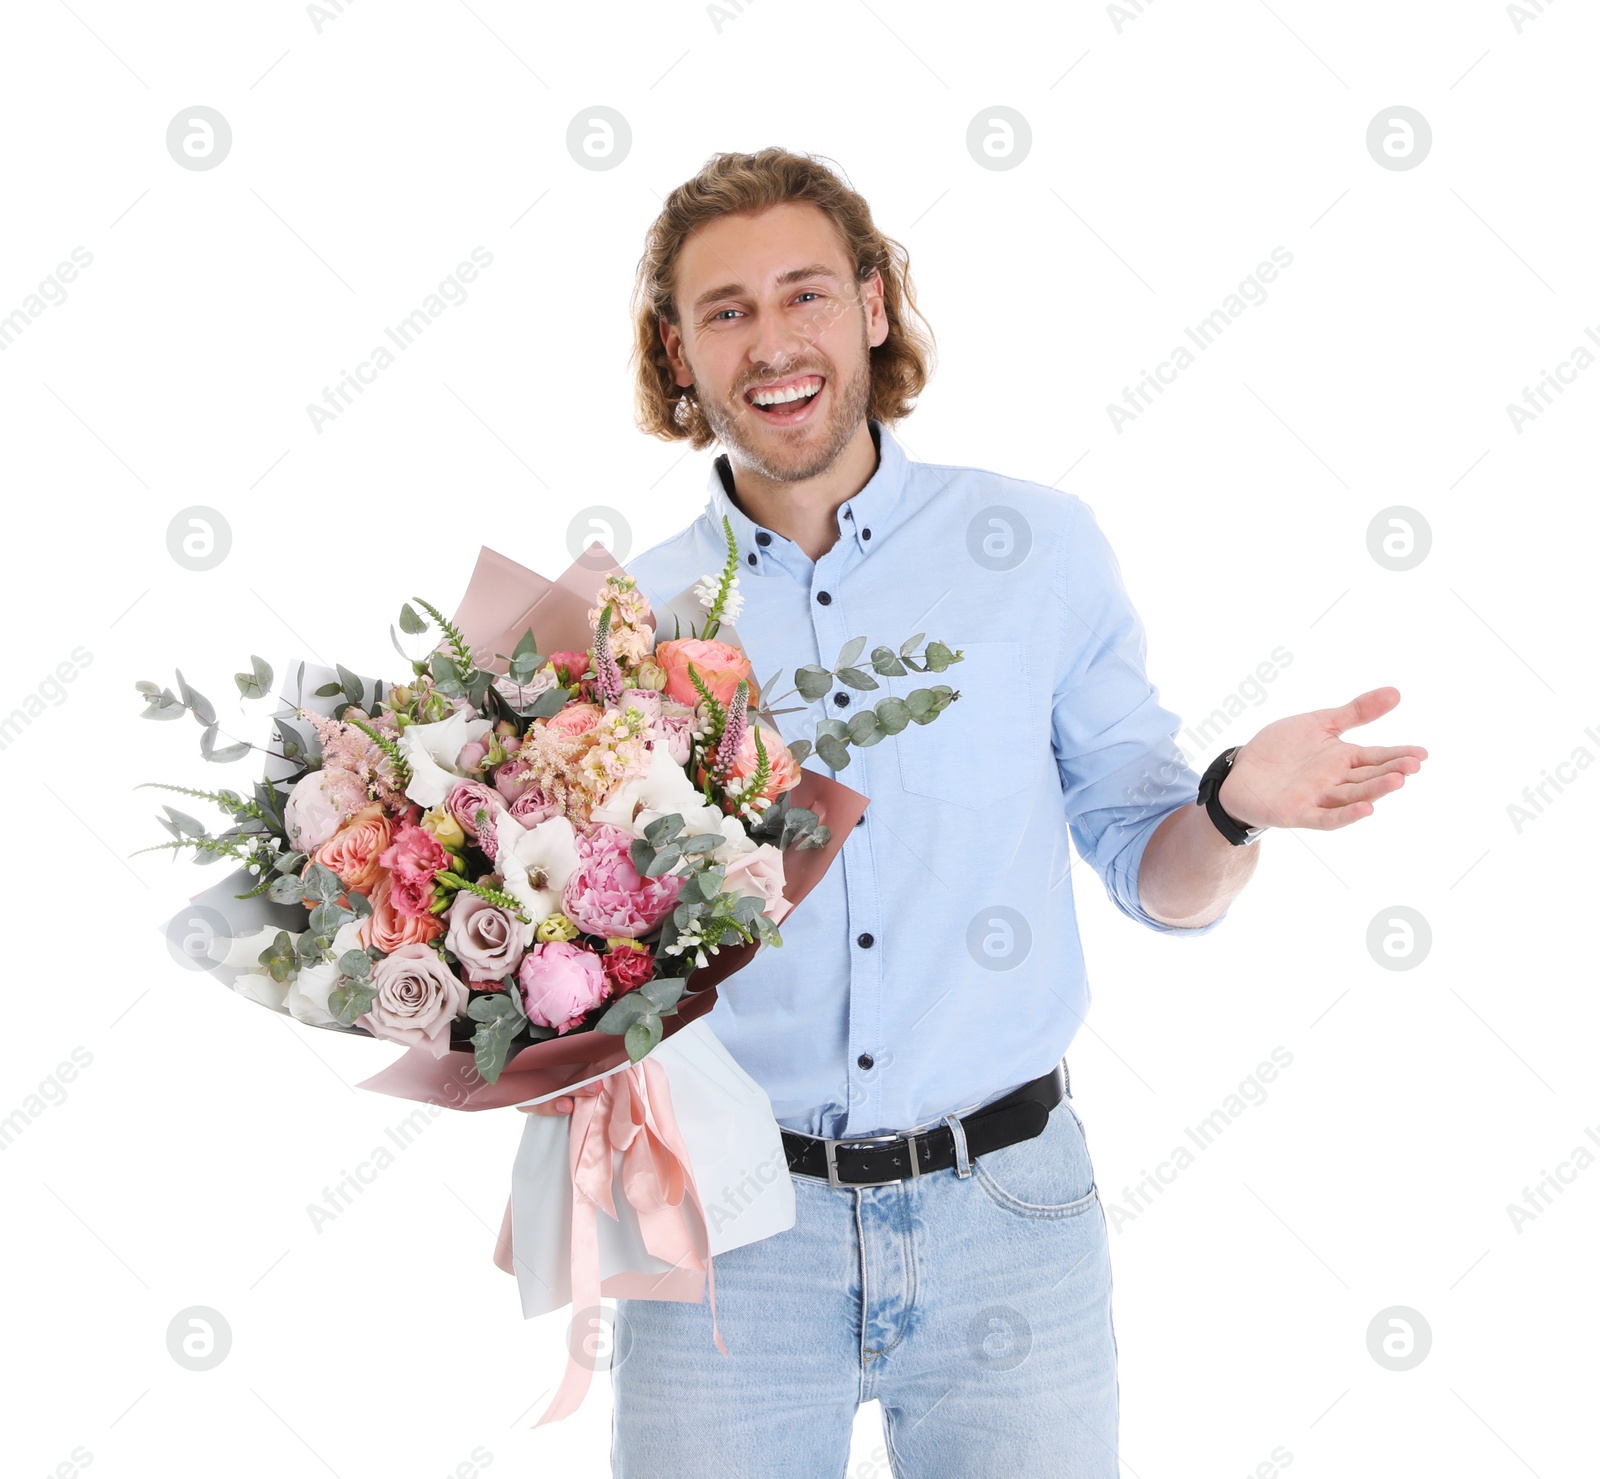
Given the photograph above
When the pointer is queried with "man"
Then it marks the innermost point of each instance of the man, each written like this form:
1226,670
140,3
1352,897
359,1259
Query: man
954,1264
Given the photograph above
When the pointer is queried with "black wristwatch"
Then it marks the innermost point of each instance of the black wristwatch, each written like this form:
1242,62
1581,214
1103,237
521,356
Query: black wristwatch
1210,784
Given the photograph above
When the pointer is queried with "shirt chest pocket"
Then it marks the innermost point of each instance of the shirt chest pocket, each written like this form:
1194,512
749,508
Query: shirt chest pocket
981,748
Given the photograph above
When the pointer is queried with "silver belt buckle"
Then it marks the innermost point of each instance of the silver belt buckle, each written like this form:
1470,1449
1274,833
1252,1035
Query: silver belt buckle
833,1167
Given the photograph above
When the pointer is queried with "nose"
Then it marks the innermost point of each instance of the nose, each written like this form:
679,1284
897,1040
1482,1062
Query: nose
778,347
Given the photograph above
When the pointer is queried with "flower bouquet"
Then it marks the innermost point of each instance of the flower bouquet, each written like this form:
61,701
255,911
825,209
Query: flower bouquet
531,868
497,853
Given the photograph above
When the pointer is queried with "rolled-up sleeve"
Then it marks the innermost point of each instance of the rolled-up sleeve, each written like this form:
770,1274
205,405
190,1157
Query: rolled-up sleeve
1115,746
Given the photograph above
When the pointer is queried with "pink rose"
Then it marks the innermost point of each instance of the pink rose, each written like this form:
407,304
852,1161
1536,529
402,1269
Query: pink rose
575,719
719,666
475,806
512,778
418,997
353,851
561,984
783,768
485,939
471,756
412,859
605,896
570,666
533,807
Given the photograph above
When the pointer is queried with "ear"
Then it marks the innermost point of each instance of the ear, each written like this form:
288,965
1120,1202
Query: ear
672,342
877,314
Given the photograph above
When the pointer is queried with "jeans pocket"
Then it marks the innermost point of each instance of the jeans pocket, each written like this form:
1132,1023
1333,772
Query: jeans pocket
1050,1175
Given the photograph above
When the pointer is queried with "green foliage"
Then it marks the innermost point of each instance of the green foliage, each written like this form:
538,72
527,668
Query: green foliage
257,683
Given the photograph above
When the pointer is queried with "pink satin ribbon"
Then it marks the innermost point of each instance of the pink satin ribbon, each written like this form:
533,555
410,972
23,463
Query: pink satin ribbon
631,1112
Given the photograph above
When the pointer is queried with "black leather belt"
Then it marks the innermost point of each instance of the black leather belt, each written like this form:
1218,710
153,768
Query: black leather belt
878,1160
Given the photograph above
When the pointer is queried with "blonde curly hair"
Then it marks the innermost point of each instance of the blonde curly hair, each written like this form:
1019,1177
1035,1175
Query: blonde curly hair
730,183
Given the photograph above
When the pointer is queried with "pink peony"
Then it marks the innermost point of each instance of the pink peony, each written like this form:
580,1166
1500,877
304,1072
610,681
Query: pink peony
412,859
605,895
561,983
318,806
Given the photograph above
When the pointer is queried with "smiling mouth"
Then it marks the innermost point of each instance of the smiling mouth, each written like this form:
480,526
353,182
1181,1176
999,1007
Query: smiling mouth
788,400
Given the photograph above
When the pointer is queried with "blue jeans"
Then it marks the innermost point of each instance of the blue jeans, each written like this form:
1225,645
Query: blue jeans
974,1303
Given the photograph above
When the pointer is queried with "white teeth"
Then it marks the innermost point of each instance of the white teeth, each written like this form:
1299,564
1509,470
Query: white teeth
795,392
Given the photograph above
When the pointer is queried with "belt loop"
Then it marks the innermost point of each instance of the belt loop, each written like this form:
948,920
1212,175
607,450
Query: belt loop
959,1135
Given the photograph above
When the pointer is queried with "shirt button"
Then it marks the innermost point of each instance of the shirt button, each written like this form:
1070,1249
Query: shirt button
860,819
841,698
864,941
865,1060
823,598
762,537
866,534
751,557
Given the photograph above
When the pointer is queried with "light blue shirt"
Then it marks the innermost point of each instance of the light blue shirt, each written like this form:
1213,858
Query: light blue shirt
937,964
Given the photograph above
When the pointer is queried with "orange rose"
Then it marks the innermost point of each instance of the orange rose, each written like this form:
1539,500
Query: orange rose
352,851
575,719
720,668
387,929
784,768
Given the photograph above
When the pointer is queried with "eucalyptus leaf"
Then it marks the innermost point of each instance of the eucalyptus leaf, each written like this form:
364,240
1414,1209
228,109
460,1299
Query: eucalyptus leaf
642,1036
849,652
864,729
812,682
910,644
410,622
885,664
855,678
832,752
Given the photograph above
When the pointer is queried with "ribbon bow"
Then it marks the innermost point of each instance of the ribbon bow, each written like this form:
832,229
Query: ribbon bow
631,1112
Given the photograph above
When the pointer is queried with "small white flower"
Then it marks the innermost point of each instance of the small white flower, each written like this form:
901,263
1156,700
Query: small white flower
706,589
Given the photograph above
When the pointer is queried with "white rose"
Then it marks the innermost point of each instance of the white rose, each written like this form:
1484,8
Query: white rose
759,873
431,749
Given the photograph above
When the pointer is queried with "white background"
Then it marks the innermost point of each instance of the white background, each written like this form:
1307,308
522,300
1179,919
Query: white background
1171,151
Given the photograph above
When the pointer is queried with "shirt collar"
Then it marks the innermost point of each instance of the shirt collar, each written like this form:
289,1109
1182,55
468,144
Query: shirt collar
866,517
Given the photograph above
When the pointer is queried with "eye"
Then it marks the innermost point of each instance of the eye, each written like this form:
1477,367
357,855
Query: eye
807,293
718,314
